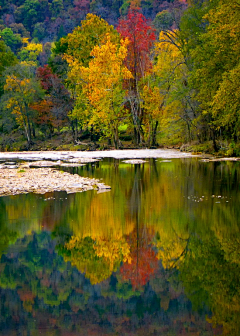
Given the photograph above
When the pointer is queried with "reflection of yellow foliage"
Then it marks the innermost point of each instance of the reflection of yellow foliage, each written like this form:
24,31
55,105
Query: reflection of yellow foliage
102,220
28,305
25,215
113,251
163,200
83,256
95,271
97,259
171,248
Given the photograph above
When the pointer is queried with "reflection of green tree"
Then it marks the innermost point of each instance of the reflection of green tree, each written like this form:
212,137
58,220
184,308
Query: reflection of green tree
7,236
212,277
125,290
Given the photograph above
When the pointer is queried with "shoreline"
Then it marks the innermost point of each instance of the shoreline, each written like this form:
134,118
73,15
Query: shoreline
21,178
83,156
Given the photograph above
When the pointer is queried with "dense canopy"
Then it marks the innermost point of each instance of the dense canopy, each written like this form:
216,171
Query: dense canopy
120,74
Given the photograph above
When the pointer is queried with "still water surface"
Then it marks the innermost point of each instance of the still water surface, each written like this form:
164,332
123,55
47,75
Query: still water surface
159,254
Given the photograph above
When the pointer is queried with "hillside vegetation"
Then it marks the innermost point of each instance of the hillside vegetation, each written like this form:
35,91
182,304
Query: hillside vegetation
112,74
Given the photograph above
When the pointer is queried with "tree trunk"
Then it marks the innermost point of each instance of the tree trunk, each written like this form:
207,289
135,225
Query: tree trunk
154,134
73,131
137,136
215,146
33,131
116,138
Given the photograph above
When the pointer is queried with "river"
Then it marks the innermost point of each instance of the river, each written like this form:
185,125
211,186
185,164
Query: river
158,254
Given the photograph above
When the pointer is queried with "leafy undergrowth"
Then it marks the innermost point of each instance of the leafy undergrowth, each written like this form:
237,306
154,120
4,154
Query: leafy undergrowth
63,141
59,141
224,149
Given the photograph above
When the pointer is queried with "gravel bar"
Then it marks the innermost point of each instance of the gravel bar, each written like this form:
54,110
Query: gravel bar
44,180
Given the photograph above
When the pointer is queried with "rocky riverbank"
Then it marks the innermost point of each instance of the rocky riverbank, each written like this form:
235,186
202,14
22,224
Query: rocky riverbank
18,174
17,177
44,180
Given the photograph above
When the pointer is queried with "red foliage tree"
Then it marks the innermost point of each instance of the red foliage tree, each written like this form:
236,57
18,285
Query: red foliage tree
44,116
46,77
57,95
141,37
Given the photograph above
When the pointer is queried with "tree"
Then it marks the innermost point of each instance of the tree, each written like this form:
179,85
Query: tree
104,86
171,71
30,52
12,40
163,21
29,13
193,28
7,58
151,102
84,38
21,90
141,37
77,51
56,7
57,99
226,105
216,69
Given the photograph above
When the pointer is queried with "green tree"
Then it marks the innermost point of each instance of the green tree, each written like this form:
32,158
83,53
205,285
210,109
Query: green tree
216,69
12,40
20,91
7,58
163,21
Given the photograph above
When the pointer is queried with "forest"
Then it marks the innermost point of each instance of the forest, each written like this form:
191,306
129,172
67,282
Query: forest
99,74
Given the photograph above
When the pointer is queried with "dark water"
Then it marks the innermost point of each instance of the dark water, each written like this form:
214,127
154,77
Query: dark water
159,254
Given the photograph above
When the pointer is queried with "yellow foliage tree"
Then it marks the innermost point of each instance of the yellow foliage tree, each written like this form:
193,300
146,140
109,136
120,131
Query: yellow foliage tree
103,85
80,43
152,103
30,52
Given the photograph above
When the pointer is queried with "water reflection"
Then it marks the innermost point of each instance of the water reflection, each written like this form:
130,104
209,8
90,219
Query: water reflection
158,255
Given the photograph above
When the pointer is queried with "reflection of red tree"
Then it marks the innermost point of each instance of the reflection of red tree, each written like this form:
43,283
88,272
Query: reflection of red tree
26,295
144,260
